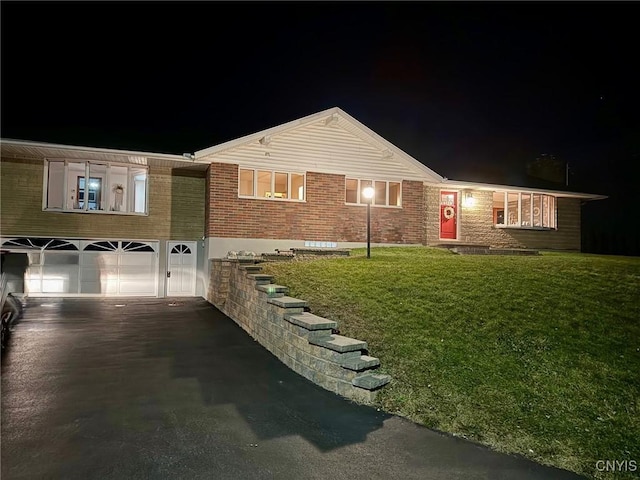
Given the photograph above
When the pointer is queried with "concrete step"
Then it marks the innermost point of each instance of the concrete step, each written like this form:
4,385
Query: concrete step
452,245
287,302
341,252
273,290
310,321
260,278
358,364
471,250
252,268
370,381
481,250
340,344
278,256
513,251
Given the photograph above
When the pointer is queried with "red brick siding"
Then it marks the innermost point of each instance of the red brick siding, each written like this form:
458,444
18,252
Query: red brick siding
323,217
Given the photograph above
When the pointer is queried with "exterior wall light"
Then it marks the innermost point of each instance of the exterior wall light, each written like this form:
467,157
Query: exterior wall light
368,193
469,201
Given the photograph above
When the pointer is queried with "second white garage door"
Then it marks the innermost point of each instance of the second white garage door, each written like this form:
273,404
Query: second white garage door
119,268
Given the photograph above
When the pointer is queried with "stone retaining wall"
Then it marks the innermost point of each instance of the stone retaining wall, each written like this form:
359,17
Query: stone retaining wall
301,340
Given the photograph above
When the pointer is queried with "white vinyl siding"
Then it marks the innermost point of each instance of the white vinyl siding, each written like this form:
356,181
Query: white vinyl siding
336,149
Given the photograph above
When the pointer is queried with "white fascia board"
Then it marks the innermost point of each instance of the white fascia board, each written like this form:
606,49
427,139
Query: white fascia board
253,137
27,149
164,156
460,184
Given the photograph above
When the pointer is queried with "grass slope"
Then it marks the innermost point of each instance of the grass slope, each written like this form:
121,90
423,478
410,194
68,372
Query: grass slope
532,355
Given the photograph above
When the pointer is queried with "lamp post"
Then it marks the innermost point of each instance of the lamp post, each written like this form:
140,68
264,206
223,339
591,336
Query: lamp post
368,193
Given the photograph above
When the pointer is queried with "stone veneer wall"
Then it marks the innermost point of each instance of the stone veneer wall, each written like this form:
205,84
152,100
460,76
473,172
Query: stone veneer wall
431,215
302,341
476,225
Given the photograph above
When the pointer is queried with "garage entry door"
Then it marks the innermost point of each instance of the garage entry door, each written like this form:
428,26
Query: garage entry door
89,267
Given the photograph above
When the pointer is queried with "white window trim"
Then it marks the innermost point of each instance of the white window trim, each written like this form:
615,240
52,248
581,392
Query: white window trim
373,181
518,225
65,184
273,180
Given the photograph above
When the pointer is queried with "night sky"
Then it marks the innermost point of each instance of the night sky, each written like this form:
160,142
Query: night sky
473,90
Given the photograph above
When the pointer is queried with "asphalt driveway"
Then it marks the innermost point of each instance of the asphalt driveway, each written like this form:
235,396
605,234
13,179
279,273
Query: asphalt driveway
144,388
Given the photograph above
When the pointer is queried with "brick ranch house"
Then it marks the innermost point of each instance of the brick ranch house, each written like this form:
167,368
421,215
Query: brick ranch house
147,223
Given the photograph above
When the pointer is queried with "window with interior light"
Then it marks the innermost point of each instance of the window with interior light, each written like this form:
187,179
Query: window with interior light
524,210
95,187
386,193
271,184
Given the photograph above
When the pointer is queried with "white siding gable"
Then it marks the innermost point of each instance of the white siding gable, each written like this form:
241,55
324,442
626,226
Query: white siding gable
329,142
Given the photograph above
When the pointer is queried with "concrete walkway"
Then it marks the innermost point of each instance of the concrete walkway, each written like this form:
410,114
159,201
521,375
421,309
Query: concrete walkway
95,390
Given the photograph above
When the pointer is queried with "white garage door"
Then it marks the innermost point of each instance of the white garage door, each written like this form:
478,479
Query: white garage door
90,267
119,268
53,264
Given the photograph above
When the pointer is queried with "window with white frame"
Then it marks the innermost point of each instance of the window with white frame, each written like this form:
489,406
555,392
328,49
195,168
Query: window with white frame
95,187
524,210
386,193
271,184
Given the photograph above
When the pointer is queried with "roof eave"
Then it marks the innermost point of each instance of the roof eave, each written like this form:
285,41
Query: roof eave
497,187
22,149
26,143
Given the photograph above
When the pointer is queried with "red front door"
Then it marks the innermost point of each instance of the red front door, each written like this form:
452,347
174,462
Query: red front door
448,215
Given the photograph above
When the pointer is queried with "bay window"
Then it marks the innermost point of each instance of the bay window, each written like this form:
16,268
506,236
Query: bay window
95,187
524,210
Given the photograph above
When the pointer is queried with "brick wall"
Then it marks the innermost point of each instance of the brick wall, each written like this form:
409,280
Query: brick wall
476,225
176,208
323,217
302,341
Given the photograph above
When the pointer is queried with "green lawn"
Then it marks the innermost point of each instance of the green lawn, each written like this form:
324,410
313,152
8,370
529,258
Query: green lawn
534,355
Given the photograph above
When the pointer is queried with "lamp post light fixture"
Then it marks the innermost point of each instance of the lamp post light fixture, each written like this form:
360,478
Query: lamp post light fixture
368,193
